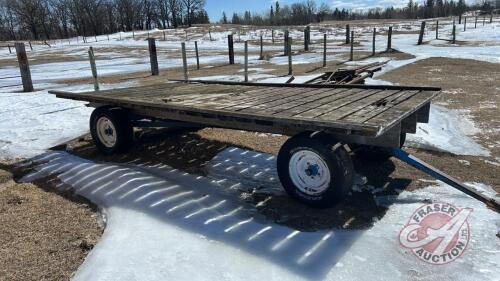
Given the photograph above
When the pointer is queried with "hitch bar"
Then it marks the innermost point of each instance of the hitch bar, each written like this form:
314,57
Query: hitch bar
404,156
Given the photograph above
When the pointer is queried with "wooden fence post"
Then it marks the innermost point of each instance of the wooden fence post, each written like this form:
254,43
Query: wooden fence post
290,67
24,67
389,39
454,33
347,31
421,35
465,23
197,55
351,57
307,32
373,41
184,61
437,29
324,50
261,48
153,58
164,36
287,35
246,61
272,35
230,45
10,51
475,22
94,68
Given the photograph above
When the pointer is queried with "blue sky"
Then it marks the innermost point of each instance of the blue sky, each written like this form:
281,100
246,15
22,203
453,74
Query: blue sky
215,7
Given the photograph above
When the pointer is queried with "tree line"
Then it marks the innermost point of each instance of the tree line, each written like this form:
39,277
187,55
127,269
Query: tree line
50,19
307,12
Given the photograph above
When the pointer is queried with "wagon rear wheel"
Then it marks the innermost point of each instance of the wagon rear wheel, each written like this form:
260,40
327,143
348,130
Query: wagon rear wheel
111,130
314,170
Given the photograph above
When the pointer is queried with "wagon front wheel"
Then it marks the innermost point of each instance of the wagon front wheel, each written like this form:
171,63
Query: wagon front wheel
111,130
314,170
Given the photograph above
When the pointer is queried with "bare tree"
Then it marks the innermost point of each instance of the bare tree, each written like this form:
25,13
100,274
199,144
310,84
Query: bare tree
191,7
162,6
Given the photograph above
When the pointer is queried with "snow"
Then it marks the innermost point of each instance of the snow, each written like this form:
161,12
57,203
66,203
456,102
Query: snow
162,223
449,131
31,123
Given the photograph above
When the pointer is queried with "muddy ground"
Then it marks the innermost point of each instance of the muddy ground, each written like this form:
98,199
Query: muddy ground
42,227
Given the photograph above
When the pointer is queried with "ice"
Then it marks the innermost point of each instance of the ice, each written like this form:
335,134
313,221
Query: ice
162,224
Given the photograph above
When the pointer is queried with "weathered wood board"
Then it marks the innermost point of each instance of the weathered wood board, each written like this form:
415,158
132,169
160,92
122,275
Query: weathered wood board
360,110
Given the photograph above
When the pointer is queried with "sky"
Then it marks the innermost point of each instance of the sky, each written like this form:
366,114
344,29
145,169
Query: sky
216,7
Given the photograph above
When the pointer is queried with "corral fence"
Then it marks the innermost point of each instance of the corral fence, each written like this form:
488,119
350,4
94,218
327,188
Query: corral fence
350,41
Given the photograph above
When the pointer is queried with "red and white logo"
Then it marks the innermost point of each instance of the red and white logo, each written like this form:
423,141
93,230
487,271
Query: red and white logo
437,233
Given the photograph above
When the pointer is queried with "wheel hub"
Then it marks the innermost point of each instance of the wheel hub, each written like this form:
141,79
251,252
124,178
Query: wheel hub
309,172
312,170
106,132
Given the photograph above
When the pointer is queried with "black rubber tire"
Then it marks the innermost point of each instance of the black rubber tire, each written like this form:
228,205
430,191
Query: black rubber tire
123,127
337,160
376,153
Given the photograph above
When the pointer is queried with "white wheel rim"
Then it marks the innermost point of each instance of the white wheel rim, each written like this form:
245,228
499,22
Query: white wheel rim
106,132
309,172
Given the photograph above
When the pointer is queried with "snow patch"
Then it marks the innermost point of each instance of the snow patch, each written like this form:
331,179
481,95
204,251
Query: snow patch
31,123
449,131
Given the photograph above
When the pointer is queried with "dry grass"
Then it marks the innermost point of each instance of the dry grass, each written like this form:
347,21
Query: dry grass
43,235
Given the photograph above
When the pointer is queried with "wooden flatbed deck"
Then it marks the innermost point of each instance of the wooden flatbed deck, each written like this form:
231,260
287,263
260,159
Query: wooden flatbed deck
342,109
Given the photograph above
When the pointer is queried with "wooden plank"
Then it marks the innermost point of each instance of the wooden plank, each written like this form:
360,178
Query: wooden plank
313,96
139,89
395,114
221,118
332,95
270,109
350,86
284,102
377,108
245,98
178,91
263,100
337,102
353,107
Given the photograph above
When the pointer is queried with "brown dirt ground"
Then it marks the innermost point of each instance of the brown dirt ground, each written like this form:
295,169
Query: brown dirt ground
45,235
